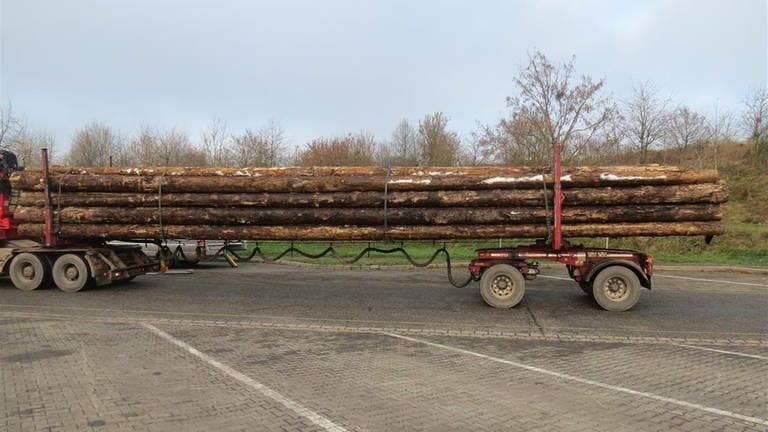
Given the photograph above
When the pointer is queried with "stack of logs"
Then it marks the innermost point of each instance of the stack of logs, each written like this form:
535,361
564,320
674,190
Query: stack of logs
347,203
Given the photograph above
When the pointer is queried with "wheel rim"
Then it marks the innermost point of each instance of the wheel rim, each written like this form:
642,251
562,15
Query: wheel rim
71,273
616,288
28,271
502,286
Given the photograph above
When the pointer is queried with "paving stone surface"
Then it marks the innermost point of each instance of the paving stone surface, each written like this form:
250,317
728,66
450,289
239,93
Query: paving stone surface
122,360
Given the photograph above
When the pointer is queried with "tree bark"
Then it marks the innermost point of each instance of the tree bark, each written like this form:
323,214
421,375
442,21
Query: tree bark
473,171
714,193
576,177
347,203
336,233
371,216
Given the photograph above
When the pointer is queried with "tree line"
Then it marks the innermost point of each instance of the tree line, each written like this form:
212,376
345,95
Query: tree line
551,103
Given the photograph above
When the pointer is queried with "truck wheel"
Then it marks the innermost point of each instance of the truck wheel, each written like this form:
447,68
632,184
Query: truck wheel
28,271
502,286
70,273
616,288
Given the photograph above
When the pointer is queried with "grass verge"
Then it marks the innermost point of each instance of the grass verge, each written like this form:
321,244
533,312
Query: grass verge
748,247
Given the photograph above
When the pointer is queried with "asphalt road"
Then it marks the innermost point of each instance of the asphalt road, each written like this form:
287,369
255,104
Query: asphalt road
275,347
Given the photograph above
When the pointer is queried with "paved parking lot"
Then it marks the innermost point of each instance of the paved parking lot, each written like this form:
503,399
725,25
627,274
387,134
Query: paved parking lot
285,348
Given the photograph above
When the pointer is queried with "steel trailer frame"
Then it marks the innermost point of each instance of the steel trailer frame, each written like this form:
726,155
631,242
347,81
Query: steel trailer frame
69,266
612,276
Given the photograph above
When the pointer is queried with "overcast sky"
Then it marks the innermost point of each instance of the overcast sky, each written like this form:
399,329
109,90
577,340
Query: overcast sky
329,67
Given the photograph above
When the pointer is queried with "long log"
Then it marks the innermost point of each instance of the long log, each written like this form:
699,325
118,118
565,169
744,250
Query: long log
714,193
578,177
372,216
335,233
469,198
493,171
299,171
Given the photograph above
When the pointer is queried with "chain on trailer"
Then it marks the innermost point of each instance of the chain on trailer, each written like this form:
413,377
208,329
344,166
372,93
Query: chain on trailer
232,256
229,254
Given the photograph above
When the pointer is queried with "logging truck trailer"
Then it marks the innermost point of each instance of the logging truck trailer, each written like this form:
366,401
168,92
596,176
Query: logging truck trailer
613,277
32,264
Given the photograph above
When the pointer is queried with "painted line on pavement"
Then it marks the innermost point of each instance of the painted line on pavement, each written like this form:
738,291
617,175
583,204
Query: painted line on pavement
678,277
665,399
724,352
556,277
250,382
712,280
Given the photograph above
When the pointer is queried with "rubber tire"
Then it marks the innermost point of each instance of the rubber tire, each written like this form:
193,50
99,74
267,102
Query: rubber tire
70,262
586,287
618,274
39,266
512,275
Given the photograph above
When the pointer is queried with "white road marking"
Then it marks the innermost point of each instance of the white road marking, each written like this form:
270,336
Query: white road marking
713,280
724,352
680,277
588,381
556,277
250,382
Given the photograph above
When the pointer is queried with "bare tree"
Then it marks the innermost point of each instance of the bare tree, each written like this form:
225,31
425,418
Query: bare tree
274,142
175,149
721,128
383,156
26,144
686,127
143,148
170,144
471,152
216,143
606,146
247,149
438,146
552,105
351,150
515,141
11,127
755,121
171,147
27,147
94,144
403,147
646,119
264,147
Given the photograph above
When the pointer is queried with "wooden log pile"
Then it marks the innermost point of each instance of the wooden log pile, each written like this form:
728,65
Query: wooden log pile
368,203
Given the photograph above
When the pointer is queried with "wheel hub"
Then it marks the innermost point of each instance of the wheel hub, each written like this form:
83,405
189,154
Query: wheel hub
71,273
28,271
616,288
502,286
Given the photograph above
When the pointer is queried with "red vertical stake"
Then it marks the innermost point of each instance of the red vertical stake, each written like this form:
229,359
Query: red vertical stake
50,239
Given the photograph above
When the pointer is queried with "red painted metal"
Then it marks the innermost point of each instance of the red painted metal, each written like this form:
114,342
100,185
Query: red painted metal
48,234
7,225
581,262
